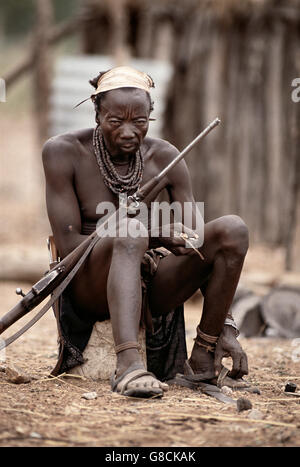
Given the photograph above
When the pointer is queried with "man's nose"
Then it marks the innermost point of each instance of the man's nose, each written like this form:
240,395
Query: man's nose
127,131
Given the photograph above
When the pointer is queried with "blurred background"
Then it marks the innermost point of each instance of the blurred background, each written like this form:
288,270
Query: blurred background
232,59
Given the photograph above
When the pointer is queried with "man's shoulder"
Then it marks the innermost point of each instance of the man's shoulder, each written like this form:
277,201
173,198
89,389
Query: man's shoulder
162,149
63,147
64,141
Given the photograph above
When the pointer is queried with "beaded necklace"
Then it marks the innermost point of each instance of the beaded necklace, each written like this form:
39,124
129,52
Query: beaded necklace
113,180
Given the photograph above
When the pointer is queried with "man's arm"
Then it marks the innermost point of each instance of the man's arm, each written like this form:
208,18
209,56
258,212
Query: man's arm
180,191
181,204
62,204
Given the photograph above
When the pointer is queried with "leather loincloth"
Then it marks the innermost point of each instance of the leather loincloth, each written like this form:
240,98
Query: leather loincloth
165,336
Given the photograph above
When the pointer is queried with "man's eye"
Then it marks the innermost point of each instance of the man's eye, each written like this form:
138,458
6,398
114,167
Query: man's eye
114,122
141,121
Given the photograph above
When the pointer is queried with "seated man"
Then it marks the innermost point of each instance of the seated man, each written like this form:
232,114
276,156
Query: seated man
91,166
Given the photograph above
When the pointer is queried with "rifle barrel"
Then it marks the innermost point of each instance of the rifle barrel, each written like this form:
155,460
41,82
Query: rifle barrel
189,147
146,189
15,313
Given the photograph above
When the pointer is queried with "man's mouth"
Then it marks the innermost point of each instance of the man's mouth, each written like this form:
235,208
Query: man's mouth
128,145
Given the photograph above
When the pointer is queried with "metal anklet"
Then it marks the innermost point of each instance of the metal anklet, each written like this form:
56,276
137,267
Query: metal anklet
230,322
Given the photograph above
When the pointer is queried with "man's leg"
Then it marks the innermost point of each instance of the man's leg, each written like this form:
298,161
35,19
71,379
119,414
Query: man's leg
124,295
177,278
109,286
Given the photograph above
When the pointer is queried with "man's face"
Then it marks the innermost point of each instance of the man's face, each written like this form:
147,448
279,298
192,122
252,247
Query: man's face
124,120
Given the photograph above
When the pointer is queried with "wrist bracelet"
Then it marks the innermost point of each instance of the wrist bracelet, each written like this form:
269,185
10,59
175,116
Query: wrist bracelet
230,322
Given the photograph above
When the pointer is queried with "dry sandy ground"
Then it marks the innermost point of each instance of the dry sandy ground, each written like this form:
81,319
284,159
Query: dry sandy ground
52,412
49,412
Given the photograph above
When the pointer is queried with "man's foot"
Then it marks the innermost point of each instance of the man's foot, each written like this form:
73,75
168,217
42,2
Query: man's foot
131,378
200,367
138,382
201,363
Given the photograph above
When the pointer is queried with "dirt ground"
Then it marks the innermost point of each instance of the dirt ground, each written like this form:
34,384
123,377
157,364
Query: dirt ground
52,412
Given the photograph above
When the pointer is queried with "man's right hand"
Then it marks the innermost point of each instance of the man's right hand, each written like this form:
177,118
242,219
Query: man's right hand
174,236
229,346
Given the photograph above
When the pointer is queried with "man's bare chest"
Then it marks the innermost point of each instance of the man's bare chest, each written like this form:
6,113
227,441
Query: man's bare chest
90,188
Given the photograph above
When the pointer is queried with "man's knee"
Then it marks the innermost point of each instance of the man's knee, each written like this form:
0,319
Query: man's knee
233,235
132,237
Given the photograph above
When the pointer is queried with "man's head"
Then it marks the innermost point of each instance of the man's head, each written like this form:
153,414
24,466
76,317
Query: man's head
123,106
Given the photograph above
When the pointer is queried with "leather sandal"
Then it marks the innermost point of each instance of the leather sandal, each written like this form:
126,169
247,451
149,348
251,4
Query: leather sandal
122,384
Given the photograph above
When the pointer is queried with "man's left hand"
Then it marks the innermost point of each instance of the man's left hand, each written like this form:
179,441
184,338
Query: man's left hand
228,346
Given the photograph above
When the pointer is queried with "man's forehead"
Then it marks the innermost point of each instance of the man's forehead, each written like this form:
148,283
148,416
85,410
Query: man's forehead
125,97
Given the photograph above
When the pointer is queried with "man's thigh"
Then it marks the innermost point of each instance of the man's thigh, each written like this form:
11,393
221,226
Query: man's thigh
179,277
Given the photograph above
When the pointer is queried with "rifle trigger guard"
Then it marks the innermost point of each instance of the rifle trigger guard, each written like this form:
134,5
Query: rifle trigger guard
135,200
132,209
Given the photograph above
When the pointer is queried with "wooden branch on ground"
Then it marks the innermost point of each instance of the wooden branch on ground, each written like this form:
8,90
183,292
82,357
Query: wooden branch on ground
56,35
22,264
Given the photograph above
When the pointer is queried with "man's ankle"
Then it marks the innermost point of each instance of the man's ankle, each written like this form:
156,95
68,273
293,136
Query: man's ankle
127,358
201,360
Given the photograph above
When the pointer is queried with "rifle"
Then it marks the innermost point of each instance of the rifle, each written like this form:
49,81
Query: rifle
56,280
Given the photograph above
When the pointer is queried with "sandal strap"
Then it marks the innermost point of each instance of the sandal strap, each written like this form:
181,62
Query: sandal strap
127,345
134,372
116,380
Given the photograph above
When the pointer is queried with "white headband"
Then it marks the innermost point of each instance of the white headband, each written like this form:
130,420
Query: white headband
123,77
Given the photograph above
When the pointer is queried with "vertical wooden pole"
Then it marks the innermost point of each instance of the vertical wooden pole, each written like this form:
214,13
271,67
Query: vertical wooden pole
292,258
1,29
292,185
275,193
145,31
119,21
42,67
